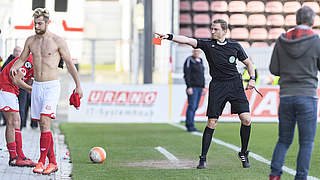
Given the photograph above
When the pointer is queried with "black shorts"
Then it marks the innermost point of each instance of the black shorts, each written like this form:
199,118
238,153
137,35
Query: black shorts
220,92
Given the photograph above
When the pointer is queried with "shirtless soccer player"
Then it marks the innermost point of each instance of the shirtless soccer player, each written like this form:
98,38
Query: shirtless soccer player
47,49
9,106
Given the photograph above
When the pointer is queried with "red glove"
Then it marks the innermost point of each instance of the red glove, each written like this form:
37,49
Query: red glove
74,100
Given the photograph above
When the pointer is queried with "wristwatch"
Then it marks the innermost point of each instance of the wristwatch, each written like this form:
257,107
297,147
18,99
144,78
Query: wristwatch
252,77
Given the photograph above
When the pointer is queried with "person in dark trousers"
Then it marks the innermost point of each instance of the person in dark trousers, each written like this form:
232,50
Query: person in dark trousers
296,59
193,70
226,84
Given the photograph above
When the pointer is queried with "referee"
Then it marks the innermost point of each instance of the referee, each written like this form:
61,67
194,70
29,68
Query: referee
226,84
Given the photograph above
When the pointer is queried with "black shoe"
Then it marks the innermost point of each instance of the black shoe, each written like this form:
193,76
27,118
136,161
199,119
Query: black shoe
244,159
13,161
202,163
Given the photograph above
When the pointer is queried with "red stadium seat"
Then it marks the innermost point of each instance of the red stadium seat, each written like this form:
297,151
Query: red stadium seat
221,16
244,44
291,6
275,20
237,6
239,33
255,6
258,34
238,19
185,19
257,20
274,33
313,5
185,6
201,19
316,21
274,7
186,32
259,44
290,20
202,33
219,6
200,6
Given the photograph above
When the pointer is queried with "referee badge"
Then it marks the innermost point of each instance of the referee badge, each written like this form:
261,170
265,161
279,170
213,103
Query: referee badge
232,59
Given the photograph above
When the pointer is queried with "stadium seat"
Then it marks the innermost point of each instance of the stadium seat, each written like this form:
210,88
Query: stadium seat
274,7
201,19
219,6
313,5
238,19
274,33
257,20
255,6
237,6
244,44
239,33
185,6
290,20
200,6
275,20
221,16
291,6
202,33
185,19
258,34
186,32
316,21
259,44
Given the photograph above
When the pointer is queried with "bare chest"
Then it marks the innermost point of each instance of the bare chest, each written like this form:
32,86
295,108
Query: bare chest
44,48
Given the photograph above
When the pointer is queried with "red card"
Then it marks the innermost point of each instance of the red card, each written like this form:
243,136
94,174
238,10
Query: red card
156,41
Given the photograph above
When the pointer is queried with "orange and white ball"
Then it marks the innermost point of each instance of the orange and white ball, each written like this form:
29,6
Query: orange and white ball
97,155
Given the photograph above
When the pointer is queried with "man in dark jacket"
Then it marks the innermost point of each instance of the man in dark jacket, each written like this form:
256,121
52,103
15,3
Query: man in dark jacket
296,59
194,77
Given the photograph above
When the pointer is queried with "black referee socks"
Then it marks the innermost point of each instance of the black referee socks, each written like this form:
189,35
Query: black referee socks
206,140
245,135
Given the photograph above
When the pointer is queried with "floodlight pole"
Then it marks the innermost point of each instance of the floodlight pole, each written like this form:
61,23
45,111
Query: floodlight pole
148,47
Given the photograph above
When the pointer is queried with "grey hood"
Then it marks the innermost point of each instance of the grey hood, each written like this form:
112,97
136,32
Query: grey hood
297,47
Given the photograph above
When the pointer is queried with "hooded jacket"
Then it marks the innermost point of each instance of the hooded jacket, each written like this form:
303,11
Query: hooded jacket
297,62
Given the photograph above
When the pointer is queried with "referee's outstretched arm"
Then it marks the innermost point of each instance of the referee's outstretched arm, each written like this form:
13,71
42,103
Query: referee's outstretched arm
179,39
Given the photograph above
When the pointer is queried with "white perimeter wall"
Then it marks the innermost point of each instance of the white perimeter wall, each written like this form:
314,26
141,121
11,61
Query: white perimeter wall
150,103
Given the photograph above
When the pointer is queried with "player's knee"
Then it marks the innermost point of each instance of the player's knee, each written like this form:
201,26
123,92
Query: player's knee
212,123
245,119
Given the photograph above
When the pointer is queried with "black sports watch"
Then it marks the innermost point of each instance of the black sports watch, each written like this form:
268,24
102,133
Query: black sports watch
253,78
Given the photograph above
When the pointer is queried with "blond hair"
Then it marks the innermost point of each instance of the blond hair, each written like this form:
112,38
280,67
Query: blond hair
38,12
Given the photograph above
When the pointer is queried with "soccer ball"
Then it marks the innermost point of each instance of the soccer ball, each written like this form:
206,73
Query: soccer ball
97,155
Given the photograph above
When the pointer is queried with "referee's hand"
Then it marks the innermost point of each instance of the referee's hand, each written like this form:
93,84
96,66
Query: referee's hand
162,36
251,84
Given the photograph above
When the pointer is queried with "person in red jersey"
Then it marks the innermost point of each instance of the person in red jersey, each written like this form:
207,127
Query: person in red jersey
9,106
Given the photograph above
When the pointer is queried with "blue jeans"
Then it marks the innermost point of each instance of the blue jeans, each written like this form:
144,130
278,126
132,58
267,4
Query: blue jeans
193,103
292,110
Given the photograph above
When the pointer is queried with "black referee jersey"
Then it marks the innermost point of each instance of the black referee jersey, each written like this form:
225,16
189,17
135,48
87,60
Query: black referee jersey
222,57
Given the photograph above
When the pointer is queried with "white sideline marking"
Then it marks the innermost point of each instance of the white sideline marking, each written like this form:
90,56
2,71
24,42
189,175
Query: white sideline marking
166,153
251,154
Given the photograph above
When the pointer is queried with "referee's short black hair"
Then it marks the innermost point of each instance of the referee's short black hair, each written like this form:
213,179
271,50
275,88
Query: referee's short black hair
305,15
223,23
